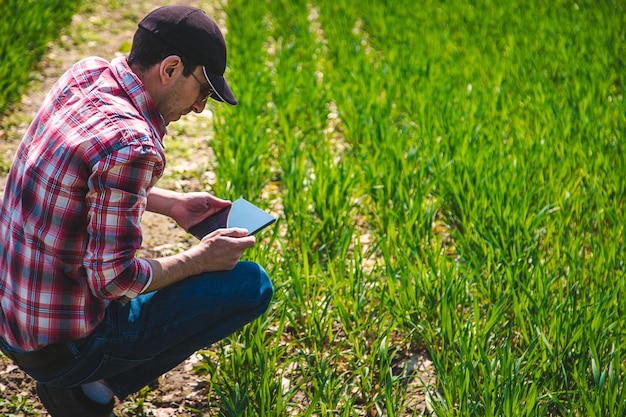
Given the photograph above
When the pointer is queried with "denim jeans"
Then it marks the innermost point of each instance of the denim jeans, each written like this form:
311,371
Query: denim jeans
153,333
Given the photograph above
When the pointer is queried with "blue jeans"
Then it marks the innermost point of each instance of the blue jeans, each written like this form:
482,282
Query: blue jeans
143,339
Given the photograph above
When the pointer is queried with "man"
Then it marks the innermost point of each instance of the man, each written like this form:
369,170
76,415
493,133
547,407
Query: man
79,311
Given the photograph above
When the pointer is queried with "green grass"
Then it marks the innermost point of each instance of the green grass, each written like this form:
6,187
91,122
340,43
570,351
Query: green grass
451,177
450,181
26,29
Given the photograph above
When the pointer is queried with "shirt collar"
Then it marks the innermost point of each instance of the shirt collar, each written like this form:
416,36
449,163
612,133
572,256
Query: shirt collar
139,96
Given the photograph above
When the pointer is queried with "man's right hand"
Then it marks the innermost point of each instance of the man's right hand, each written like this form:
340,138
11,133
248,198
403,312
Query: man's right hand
220,250
223,248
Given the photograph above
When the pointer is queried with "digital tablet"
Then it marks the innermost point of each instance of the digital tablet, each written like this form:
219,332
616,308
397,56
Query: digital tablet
241,213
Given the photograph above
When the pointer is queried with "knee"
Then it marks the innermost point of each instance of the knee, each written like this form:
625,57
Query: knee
266,290
262,284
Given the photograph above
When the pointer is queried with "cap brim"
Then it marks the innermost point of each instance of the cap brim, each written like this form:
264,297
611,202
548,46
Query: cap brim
221,88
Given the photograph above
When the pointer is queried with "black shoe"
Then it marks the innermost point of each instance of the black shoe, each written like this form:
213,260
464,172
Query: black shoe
71,402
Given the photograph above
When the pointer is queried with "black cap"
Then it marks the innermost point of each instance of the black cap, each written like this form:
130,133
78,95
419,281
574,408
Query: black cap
197,37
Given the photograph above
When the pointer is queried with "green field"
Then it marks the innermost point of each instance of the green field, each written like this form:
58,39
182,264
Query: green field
25,30
451,182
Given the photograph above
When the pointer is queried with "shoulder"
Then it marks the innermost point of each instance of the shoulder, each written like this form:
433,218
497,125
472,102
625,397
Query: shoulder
93,108
85,71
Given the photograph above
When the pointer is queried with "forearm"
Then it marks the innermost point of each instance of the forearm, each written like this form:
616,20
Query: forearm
219,251
161,201
171,269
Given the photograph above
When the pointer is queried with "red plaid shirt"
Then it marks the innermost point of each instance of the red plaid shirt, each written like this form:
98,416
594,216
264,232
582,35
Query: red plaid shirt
71,211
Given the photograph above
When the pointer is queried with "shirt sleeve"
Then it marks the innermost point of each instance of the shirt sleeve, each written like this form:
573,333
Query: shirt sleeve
147,283
117,197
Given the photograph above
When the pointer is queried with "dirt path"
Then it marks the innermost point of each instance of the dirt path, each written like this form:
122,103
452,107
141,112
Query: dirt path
105,31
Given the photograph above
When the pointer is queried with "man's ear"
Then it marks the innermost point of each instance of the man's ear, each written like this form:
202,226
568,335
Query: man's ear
170,69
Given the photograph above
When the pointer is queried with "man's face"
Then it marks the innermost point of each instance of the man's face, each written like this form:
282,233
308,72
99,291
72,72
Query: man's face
189,93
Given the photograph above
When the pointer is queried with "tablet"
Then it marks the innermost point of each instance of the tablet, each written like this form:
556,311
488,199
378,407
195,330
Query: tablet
241,213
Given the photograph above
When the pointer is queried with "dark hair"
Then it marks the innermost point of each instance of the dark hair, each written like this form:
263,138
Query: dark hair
148,50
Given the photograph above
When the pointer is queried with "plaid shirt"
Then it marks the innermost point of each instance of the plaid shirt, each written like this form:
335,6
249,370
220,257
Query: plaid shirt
71,212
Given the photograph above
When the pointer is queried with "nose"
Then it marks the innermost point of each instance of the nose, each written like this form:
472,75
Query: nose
199,106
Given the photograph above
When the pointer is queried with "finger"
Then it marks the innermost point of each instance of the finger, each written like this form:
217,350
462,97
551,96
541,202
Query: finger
242,240
236,232
248,241
218,202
